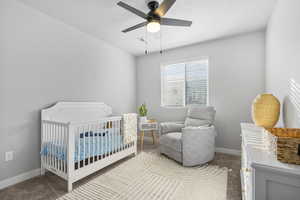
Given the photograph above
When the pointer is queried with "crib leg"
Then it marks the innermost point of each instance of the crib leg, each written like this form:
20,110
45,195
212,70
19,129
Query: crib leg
135,147
70,187
43,171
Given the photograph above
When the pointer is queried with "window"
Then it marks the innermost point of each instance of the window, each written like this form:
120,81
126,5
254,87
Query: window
184,83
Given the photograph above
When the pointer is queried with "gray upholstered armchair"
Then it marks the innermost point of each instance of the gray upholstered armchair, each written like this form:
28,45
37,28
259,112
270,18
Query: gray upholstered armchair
191,142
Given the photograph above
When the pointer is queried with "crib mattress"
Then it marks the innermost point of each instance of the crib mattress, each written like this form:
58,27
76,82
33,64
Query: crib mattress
88,145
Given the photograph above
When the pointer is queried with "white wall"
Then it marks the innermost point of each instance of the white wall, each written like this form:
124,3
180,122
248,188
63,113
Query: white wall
43,61
283,59
236,77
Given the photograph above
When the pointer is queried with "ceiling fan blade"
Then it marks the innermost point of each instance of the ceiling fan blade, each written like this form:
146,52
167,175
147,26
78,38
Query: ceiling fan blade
164,7
175,22
140,25
132,9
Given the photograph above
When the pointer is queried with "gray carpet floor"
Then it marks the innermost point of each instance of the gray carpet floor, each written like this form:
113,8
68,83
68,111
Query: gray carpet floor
50,187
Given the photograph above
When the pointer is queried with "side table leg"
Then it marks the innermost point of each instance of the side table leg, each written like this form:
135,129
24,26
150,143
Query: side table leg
142,140
153,137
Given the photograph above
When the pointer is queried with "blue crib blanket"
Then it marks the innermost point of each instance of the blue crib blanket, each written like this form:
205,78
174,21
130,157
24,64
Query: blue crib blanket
89,144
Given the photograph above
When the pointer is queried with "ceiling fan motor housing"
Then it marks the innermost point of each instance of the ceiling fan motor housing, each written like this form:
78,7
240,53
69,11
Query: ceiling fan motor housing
152,5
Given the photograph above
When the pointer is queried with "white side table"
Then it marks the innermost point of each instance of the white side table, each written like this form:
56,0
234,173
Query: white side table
149,125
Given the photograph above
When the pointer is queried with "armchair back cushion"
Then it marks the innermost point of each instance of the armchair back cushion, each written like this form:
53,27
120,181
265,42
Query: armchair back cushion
206,113
196,122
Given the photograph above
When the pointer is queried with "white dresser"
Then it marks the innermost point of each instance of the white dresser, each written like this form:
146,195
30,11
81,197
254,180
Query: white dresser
262,176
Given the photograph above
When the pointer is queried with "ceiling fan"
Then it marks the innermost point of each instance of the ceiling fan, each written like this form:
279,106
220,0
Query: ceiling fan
154,18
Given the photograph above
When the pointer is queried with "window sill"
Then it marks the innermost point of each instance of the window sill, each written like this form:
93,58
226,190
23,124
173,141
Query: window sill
181,107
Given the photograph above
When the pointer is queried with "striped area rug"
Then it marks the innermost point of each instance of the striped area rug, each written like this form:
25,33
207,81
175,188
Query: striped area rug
150,176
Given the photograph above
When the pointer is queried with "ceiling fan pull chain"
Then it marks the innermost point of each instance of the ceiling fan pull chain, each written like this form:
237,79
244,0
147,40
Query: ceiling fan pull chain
161,51
146,41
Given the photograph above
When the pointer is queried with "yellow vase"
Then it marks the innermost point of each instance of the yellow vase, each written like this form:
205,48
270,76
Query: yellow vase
265,110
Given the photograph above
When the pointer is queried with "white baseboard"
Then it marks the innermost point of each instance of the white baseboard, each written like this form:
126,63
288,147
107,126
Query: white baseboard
229,151
19,178
36,172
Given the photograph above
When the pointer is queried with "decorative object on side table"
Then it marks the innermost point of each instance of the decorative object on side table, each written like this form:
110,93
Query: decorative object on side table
148,125
143,112
265,110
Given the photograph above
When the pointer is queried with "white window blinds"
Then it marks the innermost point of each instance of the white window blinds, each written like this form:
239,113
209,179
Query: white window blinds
185,84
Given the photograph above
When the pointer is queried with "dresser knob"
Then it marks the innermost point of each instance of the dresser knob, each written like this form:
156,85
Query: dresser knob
248,170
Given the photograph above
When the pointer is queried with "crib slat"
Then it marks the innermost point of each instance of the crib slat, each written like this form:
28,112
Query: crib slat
94,142
102,140
42,144
51,145
119,129
116,134
118,146
107,139
65,148
98,141
89,144
59,147
122,144
71,149
78,147
62,149
46,141
55,146
48,144
83,159
113,137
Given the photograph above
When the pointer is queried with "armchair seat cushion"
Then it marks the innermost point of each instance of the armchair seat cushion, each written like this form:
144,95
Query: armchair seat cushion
172,141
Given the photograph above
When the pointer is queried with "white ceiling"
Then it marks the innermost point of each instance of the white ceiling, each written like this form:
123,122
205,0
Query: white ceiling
211,19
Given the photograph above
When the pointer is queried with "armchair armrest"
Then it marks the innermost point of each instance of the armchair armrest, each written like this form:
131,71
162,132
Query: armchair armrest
198,145
168,127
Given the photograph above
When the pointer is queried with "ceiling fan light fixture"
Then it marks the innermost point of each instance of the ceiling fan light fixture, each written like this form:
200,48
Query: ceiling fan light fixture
153,27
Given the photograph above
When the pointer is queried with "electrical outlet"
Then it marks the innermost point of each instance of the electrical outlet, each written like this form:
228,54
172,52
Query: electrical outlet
9,156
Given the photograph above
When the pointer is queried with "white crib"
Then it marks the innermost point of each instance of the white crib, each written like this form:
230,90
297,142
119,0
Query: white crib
79,138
